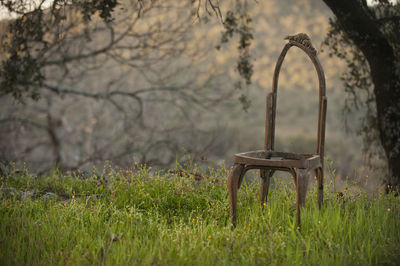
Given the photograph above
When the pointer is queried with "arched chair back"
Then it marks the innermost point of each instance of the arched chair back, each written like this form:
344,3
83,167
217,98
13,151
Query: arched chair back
303,42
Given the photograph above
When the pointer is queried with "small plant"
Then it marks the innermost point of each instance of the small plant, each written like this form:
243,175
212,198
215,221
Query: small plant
332,172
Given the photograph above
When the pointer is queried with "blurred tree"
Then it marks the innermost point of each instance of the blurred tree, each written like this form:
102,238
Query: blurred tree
28,37
110,82
370,34
367,36
35,31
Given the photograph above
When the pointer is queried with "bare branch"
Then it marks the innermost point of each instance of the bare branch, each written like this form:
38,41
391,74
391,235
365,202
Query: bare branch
25,121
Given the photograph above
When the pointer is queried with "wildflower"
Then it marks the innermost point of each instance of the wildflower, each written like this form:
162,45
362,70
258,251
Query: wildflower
265,204
366,176
209,237
183,234
379,230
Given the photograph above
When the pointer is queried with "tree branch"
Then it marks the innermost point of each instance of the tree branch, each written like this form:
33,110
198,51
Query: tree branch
23,121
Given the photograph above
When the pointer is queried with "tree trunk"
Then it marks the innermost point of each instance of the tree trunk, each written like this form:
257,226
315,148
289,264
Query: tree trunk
385,72
387,95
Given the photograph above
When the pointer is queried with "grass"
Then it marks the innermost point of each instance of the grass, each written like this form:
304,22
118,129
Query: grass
138,216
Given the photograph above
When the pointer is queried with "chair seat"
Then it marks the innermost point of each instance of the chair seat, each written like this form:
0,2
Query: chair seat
268,158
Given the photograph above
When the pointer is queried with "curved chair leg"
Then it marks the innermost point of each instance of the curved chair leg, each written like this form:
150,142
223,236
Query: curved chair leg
320,186
235,177
301,191
265,181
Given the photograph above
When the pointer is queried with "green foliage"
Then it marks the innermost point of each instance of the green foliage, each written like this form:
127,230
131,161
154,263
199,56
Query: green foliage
238,23
138,216
103,7
357,82
27,40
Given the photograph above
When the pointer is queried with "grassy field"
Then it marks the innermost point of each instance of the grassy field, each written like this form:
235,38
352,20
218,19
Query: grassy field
137,216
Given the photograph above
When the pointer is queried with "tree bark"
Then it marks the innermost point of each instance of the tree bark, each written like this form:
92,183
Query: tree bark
361,28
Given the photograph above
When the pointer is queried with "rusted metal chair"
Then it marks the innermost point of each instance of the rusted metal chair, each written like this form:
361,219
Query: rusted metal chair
269,160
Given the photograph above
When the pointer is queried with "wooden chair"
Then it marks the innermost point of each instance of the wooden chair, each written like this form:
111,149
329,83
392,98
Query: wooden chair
269,160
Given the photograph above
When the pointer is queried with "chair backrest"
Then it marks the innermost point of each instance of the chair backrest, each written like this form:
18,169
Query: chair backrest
303,42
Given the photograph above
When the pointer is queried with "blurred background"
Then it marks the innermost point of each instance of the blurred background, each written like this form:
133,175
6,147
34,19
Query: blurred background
155,89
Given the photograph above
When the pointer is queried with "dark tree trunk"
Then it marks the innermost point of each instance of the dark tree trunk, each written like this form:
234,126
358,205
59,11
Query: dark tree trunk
385,72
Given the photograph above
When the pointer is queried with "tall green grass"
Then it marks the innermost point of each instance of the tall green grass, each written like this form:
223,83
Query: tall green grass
137,216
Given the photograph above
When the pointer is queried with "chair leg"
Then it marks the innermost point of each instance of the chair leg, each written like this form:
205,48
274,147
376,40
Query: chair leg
301,191
265,181
320,186
234,179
